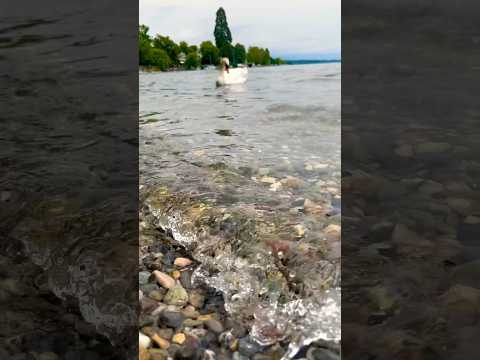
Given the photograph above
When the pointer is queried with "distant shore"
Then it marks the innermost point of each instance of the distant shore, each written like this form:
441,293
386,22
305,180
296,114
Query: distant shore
143,68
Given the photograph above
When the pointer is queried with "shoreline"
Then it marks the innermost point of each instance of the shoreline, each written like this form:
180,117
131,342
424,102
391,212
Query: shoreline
149,69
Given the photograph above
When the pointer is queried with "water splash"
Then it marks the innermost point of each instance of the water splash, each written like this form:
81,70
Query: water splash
298,301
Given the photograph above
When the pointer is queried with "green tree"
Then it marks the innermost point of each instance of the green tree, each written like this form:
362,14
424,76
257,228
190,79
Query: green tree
222,33
193,49
227,50
192,61
144,45
210,55
240,54
254,55
183,47
169,46
160,58
266,59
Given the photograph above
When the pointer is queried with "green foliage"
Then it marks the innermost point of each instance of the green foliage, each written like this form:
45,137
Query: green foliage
240,54
258,56
144,46
160,59
183,47
192,61
163,52
167,45
210,55
278,61
228,51
222,33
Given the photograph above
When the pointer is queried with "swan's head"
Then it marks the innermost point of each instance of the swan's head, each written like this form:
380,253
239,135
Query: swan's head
224,63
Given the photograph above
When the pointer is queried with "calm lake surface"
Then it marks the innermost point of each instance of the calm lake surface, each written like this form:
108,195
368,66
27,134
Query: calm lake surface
283,117
260,166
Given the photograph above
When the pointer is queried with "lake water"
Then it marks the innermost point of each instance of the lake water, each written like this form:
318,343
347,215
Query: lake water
264,159
286,115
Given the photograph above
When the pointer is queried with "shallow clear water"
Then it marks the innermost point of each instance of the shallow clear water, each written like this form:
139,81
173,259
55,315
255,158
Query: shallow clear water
282,117
247,178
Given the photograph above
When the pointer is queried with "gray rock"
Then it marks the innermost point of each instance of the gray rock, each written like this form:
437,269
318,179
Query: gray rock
143,277
171,319
214,325
247,347
467,274
196,299
238,356
186,279
321,354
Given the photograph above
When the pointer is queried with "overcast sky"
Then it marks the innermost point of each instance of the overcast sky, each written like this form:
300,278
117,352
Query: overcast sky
289,28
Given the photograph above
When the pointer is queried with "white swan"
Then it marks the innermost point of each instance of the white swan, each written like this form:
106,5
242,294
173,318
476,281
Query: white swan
230,76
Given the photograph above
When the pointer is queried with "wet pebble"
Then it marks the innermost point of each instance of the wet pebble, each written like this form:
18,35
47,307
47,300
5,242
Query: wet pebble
182,262
196,299
179,338
177,295
214,325
321,354
161,342
143,277
171,319
248,347
143,341
164,280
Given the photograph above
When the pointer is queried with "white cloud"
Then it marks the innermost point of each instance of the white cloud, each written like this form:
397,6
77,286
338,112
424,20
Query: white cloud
285,27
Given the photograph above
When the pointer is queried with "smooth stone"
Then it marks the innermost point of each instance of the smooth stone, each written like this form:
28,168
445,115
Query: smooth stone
155,295
238,356
182,262
146,320
176,296
462,305
430,187
143,354
192,323
171,319
467,274
321,354
165,333
268,180
143,277
247,347
459,205
164,280
148,305
404,150
299,230
292,182
432,147
186,353
179,338
186,279
147,288
161,342
144,341
214,325
158,354
48,356
196,299
190,312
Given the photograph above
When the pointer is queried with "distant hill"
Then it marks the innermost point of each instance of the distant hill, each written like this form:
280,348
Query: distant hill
301,62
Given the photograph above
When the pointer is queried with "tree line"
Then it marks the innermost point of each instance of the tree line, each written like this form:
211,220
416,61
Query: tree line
162,52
